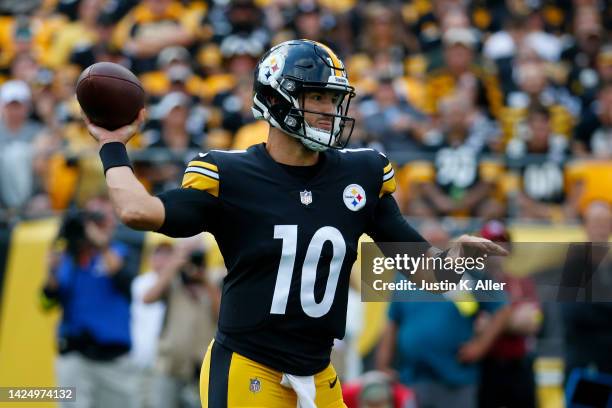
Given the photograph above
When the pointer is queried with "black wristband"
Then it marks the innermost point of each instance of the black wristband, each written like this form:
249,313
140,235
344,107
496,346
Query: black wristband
114,154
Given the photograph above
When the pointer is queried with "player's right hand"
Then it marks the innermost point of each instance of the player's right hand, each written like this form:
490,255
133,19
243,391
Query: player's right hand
123,134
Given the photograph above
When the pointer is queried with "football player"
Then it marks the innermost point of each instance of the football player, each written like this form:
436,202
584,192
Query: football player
287,215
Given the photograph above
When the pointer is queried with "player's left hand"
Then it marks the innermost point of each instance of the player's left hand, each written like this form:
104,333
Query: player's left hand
472,246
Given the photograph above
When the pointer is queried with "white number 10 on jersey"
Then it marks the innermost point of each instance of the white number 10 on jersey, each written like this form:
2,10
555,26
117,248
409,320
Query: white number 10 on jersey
289,233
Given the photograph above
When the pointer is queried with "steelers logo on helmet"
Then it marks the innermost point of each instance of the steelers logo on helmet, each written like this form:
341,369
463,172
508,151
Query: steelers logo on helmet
292,70
271,68
354,197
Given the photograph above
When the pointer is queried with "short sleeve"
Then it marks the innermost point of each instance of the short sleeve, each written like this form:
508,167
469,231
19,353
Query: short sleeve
388,177
202,174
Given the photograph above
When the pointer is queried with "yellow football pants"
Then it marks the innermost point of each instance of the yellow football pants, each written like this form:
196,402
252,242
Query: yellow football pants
231,380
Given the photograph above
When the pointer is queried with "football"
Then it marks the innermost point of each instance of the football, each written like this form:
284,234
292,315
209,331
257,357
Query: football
110,95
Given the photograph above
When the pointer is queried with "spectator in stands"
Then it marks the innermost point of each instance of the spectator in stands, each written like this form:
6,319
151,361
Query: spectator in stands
503,45
240,56
593,135
458,182
147,321
461,121
460,74
453,16
546,45
172,145
534,87
507,377
174,74
581,57
392,120
441,369
586,330
308,23
434,19
383,33
17,135
537,156
604,64
98,46
77,33
241,17
24,67
192,306
152,26
89,278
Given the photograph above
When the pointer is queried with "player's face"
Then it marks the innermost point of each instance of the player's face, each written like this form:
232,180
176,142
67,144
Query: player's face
324,102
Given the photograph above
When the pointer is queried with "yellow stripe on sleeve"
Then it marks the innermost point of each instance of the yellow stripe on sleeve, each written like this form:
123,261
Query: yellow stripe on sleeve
388,187
204,164
201,182
387,168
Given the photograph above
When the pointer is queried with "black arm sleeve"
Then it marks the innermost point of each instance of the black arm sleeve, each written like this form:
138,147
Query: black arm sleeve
389,225
188,212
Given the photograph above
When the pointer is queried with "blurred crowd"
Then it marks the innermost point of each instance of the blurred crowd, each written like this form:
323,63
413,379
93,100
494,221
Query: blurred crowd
489,108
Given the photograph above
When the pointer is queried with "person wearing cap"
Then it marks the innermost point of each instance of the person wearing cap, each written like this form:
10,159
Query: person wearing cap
174,73
17,134
237,57
240,55
172,143
507,378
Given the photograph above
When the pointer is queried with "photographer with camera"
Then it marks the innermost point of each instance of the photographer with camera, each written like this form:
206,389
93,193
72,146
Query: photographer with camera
192,308
89,280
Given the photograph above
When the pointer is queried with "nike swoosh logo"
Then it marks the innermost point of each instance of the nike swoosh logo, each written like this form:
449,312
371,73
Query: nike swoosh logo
332,384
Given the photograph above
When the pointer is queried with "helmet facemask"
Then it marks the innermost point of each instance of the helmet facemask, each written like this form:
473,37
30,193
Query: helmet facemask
314,138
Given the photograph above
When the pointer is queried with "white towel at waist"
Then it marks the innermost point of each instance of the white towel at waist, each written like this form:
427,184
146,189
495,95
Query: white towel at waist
304,387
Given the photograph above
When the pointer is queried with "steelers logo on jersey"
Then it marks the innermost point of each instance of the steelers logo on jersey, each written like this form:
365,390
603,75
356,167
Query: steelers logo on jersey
354,197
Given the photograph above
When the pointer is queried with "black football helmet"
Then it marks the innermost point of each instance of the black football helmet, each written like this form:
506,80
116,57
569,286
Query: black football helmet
289,70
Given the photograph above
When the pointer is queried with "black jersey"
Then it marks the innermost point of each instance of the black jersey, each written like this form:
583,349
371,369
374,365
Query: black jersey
289,244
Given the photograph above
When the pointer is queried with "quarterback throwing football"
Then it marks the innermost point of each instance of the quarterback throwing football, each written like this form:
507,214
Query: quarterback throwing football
287,215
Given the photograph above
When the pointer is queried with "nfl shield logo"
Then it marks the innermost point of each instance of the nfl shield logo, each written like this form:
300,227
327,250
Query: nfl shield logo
306,197
255,385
